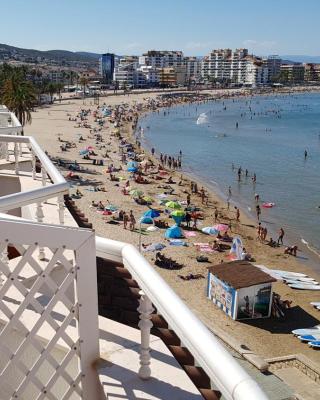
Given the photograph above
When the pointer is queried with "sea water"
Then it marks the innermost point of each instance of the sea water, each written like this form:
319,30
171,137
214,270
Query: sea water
272,135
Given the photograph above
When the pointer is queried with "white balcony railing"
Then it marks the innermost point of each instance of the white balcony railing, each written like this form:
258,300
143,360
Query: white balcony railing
224,372
57,189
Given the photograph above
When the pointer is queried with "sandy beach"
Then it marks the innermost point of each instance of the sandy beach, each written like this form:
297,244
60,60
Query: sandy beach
269,337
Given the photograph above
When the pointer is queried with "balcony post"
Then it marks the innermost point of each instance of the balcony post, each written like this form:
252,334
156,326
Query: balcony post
5,260
16,158
7,151
33,166
145,309
44,176
20,149
61,209
40,216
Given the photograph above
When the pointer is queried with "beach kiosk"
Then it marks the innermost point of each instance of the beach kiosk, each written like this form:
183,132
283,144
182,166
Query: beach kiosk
240,289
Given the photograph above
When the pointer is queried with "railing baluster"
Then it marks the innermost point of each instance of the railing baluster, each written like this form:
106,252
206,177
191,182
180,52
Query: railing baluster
7,151
61,209
40,216
16,158
145,309
44,176
33,166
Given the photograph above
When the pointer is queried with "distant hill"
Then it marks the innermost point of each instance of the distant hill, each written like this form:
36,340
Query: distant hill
58,55
301,58
94,56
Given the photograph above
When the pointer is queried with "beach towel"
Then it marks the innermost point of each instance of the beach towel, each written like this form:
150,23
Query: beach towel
189,234
204,247
154,247
177,242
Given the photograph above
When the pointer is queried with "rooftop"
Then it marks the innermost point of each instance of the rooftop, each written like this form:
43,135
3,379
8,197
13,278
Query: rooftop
240,274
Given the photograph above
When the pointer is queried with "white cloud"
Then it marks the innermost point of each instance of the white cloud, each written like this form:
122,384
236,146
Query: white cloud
259,45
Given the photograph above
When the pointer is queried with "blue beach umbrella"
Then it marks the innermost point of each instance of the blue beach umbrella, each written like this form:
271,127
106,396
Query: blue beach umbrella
151,214
146,220
132,166
174,232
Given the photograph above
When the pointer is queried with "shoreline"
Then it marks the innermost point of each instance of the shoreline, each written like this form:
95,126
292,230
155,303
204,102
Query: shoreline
263,337
312,255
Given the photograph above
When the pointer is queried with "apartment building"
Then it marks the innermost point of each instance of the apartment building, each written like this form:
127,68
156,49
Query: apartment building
235,67
311,72
162,59
293,73
172,76
193,68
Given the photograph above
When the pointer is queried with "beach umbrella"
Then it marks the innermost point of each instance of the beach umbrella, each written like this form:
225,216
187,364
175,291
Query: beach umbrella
221,227
174,232
173,204
146,220
136,192
83,152
152,213
178,213
178,216
210,230
148,199
132,166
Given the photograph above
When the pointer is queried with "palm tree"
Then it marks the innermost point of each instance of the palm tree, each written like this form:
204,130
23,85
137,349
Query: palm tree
51,89
84,82
19,95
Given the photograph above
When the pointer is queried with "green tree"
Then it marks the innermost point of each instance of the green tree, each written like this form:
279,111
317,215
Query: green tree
18,94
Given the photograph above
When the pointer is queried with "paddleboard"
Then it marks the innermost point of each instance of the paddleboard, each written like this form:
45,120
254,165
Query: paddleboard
315,343
307,338
306,331
289,273
296,282
303,286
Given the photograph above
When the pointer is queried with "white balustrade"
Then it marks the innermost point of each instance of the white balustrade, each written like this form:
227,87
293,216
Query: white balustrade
16,158
40,217
33,161
226,374
145,309
7,151
49,315
43,176
61,209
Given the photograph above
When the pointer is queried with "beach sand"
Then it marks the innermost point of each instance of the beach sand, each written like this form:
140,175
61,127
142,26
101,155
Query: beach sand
267,337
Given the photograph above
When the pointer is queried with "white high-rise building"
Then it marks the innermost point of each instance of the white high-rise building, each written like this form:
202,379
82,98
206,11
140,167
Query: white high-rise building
235,67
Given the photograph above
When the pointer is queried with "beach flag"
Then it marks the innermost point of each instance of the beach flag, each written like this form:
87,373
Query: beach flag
236,248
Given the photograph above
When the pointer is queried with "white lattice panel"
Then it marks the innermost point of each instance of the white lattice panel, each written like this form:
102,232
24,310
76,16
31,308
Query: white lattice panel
48,323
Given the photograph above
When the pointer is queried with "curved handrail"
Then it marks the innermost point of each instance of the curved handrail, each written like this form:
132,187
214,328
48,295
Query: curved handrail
229,377
59,186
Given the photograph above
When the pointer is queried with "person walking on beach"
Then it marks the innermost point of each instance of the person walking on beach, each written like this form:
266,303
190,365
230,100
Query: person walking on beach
188,200
132,221
281,235
237,214
125,220
258,211
203,195
216,215
188,219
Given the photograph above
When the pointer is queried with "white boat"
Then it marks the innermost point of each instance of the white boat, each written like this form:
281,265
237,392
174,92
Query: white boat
304,286
315,303
202,119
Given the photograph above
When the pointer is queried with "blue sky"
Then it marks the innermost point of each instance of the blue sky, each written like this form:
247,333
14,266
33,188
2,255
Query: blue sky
133,26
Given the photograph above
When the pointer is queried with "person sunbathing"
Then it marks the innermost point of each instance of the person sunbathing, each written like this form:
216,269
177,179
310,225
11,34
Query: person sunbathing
224,237
272,243
100,206
216,246
93,204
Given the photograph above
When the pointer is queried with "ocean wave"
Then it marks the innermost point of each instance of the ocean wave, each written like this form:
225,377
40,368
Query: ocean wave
310,247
